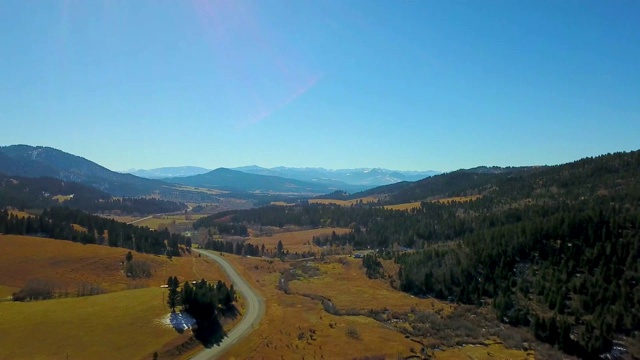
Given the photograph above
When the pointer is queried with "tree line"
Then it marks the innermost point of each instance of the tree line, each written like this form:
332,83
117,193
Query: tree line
58,223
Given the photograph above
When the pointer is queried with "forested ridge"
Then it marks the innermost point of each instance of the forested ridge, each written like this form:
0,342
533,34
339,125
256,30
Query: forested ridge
39,193
58,223
555,249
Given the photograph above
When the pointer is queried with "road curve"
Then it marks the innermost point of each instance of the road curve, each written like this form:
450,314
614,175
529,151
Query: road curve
252,315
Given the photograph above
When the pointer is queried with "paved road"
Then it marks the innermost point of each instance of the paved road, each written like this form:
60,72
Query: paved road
251,318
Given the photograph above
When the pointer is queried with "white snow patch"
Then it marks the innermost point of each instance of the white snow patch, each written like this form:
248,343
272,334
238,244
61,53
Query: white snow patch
180,321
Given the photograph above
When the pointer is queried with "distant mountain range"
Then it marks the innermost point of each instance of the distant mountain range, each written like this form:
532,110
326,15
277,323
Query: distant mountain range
38,161
168,172
238,181
359,179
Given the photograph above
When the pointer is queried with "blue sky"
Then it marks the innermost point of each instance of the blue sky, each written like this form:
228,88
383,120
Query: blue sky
408,85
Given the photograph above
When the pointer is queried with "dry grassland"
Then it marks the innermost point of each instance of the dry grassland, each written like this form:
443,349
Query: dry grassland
157,222
405,206
416,204
7,291
18,213
489,352
69,264
290,320
62,198
119,325
295,326
458,199
349,288
295,241
343,202
280,203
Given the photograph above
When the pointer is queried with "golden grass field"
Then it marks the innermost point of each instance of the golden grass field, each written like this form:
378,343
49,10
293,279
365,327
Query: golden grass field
281,203
416,204
405,206
295,241
19,213
62,198
458,199
343,202
349,288
286,329
119,324
165,220
23,258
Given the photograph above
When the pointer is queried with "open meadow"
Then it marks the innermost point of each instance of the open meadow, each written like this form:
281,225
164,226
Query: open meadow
297,323
344,202
295,241
123,322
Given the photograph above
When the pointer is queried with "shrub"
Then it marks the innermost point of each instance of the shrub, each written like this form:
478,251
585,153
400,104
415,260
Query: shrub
36,289
353,333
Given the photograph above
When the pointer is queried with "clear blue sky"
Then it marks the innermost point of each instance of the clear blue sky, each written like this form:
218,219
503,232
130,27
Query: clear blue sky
409,85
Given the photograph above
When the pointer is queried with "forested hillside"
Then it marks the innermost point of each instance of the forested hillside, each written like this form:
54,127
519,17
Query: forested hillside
63,223
39,193
555,249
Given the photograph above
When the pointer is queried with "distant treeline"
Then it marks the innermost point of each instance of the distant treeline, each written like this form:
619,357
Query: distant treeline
223,228
57,223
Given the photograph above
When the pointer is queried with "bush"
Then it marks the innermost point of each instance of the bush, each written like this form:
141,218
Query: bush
36,289
137,269
353,333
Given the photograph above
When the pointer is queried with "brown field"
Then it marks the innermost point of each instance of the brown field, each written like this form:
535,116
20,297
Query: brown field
18,213
343,202
405,206
69,264
7,291
295,241
346,284
62,198
291,319
119,324
416,204
458,199
295,326
165,220
281,203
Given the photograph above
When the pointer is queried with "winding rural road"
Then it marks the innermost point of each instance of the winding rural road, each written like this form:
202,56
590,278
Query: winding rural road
251,318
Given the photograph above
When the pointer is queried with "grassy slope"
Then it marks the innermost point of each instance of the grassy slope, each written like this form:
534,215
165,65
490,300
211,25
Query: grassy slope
68,264
112,326
295,241
121,324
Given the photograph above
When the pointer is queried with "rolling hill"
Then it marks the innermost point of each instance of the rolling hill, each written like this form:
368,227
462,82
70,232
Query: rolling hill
233,180
36,161
168,172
